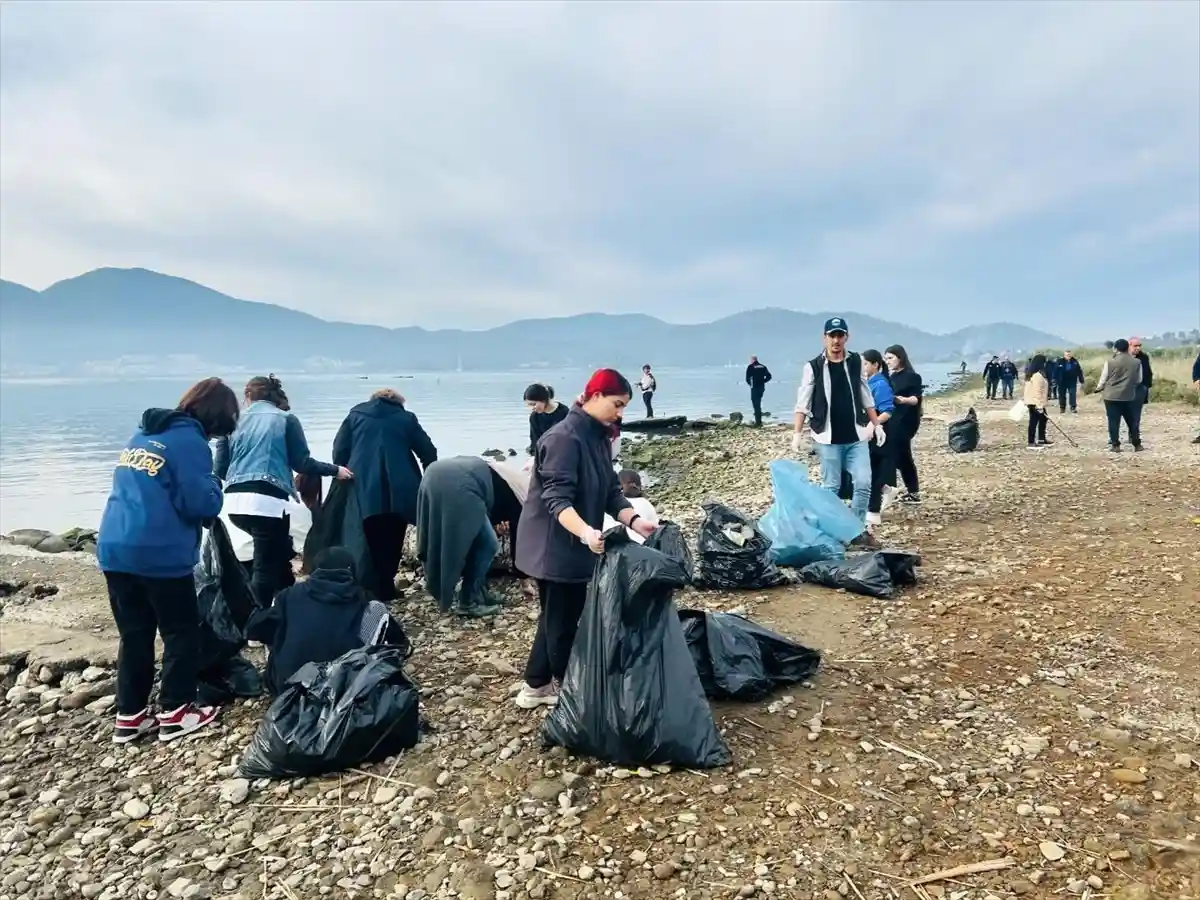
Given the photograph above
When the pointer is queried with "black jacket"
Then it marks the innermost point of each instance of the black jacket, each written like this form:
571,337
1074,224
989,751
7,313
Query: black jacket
1069,370
757,376
906,419
572,468
316,620
541,422
991,372
1147,373
381,442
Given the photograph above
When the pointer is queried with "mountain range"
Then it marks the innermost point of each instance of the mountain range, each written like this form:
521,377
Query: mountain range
125,321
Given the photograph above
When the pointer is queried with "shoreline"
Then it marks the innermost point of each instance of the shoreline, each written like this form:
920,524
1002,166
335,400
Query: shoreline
1041,671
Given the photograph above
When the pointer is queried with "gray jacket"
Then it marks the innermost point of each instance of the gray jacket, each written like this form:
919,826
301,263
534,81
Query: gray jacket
573,468
1120,379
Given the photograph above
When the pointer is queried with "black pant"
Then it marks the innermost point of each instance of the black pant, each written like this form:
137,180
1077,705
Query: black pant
756,395
906,465
992,384
272,566
1116,410
1037,425
883,471
648,399
561,606
385,539
142,607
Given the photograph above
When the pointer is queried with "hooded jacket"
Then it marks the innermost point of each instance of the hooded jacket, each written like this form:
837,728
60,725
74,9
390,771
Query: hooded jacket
163,490
316,620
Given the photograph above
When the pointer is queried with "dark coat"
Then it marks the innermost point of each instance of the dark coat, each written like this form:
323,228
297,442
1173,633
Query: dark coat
906,420
572,468
453,504
381,443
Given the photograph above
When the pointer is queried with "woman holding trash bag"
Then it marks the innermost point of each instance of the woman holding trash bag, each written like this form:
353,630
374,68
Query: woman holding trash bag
386,448
883,466
908,390
572,486
163,491
256,462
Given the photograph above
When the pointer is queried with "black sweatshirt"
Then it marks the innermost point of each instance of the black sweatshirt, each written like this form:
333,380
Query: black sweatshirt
541,422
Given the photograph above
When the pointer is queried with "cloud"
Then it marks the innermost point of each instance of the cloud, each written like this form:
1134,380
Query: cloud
435,164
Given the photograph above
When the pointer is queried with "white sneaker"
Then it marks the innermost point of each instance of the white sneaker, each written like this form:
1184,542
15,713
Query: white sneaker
874,519
532,698
890,495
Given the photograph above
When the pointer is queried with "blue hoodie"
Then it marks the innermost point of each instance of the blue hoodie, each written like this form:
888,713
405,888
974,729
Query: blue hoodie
163,490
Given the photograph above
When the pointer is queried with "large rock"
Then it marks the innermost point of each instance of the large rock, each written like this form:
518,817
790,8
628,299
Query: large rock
53,544
28,537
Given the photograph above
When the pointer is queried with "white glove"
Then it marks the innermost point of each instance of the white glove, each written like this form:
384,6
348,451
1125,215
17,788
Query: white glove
797,441
594,540
880,437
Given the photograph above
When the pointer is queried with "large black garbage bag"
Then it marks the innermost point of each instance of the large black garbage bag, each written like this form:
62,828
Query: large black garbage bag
964,433
876,574
734,553
631,694
339,523
358,709
669,540
225,601
737,659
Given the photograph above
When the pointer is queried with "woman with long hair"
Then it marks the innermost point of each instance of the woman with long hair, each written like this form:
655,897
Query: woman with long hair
572,487
544,412
883,466
257,463
386,448
906,418
163,492
1037,394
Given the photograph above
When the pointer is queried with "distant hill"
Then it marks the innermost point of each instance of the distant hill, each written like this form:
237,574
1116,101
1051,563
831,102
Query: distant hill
126,320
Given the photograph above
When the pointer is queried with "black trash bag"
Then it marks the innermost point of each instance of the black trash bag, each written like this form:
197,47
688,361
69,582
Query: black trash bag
229,680
225,602
631,694
668,539
964,433
846,489
876,574
728,564
737,659
339,523
358,709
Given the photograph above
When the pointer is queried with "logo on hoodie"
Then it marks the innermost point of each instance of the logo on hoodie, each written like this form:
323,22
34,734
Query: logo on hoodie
142,461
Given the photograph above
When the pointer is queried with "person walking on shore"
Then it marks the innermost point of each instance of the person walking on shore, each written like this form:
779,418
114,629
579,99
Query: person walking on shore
558,537
991,377
836,404
386,448
757,376
909,391
1070,377
1118,386
1037,395
883,467
1008,377
648,384
256,463
1147,382
163,493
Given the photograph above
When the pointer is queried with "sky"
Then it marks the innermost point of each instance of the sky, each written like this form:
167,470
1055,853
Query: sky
467,164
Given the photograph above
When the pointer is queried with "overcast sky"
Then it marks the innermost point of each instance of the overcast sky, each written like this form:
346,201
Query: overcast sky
466,164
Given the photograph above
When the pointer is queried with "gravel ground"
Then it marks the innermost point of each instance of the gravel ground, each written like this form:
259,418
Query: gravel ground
1030,709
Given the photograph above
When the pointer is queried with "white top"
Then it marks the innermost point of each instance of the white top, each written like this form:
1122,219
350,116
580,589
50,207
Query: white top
249,503
647,383
243,545
643,508
805,394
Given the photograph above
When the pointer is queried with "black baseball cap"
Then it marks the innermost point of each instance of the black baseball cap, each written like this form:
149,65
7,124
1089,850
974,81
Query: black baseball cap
836,324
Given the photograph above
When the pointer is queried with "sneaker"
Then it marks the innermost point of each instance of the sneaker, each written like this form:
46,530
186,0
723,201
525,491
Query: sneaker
1046,443
1033,446
890,496
874,519
910,497
1114,448
532,698
479,611
130,728
185,720
867,541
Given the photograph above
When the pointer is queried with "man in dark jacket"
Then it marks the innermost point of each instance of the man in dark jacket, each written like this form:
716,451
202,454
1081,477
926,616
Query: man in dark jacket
1008,378
321,618
757,376
386,448
1070,377
1143,389
991,377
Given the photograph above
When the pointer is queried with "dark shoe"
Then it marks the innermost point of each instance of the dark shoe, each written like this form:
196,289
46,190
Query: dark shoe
867,541
1114,448
1138,448
1045,443
1196,439
476,611
910,497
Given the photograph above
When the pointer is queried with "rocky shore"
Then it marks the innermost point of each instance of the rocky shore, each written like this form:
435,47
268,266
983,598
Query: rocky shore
1023,723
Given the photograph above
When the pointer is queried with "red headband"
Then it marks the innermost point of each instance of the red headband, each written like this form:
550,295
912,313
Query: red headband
608,382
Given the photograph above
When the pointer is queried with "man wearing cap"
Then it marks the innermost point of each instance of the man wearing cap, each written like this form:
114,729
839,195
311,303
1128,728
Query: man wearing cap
838,406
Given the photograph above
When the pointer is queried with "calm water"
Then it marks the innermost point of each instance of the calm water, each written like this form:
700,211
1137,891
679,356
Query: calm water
60,438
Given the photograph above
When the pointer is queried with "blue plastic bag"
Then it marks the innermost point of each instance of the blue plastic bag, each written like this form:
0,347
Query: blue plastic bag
806,523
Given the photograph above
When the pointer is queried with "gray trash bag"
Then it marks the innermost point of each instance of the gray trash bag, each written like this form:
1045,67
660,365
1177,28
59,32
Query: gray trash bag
876,574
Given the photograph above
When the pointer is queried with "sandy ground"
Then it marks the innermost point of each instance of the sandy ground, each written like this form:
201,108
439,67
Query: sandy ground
1032,706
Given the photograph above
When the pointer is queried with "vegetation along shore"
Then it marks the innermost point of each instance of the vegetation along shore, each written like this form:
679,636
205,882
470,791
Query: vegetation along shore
1022,723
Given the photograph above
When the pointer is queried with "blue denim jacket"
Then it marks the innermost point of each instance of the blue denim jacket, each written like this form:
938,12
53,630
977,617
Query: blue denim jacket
268,445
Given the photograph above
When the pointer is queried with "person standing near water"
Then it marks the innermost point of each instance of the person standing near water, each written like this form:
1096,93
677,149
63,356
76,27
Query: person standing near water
648,385
757,376
544,412
163,492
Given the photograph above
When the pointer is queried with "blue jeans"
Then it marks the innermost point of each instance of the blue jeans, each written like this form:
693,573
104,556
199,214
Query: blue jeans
854,458
1066,391
479,562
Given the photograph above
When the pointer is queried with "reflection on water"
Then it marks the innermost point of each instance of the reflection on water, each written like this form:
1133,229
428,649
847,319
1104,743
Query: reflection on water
60,438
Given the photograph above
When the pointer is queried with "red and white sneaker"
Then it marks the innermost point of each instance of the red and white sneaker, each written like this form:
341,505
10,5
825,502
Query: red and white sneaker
130,728
185,720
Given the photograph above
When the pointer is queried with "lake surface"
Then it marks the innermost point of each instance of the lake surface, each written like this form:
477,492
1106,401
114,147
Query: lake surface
59,439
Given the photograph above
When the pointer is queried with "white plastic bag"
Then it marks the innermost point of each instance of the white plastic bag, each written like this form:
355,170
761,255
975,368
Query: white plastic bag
1019,412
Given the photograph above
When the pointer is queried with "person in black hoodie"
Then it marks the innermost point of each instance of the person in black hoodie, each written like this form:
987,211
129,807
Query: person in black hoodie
321,618
1143,389
387,449
991,377
757,376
